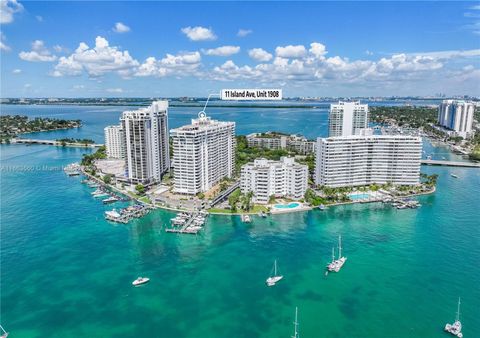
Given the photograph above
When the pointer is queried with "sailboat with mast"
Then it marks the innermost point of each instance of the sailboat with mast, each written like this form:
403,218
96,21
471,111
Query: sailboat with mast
336,264
456,327
295,325
272,280
4,333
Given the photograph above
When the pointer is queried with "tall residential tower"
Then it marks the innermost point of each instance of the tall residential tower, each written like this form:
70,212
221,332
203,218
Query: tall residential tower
457,116
347,118
203,154
115,142
146,142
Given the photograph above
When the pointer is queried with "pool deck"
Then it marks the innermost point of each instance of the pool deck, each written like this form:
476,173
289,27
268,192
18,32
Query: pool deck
301,207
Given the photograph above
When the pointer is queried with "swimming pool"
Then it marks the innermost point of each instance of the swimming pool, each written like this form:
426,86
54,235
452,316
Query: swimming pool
287,206
355,197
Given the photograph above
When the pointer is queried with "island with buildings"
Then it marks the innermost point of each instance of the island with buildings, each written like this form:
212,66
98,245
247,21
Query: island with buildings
205,167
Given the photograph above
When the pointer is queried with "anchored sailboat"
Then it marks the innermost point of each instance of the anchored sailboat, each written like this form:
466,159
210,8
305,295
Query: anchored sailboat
295,323
4,333
336,264
272,280
456,327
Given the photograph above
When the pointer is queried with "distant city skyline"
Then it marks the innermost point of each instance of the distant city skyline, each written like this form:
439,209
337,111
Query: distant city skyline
173,49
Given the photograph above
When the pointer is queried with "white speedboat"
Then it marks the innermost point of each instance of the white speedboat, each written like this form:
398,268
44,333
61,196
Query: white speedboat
336,264
246,219
111,199
140,281
4,333
455,328
272,280
453,175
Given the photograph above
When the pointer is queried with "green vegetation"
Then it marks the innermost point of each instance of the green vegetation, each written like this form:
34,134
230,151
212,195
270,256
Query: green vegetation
245,154
12,125
89,159
255,209
107,179
414,117
238,200
313,199
140,188
429,180
84,141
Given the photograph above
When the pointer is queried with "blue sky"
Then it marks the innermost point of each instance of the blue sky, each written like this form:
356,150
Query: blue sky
91,49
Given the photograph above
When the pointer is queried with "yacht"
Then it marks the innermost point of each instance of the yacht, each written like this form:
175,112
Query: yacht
455,328
246,219
336,264
272,280
111,199
140,281
453,175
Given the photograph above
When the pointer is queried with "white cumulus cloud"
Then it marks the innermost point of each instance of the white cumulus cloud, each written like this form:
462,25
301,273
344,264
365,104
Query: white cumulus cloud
7,9
244,32
291,51
260,54
317,49
222,51
16,71
121,28
96,61
182,64
39,53
3,45
199,33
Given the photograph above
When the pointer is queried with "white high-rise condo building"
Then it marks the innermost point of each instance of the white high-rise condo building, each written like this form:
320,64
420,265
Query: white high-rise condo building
347,118
267,178
146,142
203,154
366,159
457,116
115,142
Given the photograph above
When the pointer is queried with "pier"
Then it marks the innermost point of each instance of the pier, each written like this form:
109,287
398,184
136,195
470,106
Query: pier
188,223
451,163
126,215
54,143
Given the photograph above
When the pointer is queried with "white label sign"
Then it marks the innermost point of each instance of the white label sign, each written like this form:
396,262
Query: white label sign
251,94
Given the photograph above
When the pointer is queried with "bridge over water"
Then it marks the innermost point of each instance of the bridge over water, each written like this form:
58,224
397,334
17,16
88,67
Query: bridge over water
451,163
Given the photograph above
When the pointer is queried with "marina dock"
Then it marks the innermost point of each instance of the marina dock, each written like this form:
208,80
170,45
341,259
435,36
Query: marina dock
127,214
188,223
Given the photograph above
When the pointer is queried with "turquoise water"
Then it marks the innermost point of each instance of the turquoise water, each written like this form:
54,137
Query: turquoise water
356,197
66,272
287,206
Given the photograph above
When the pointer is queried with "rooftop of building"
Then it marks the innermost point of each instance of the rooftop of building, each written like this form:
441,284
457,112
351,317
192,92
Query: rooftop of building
203,123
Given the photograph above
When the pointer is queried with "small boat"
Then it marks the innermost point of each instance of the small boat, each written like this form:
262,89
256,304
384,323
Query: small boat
321,207
453,175
140,281
111,199
272,280
455,328
4,333
295,325
246,219
112,213
263,214
336,264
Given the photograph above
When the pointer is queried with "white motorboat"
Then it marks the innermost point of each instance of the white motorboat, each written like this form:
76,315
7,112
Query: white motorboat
454,176
246,219
336,264
111,199
112,213
272,280
4,333
140,281
321,207
455,328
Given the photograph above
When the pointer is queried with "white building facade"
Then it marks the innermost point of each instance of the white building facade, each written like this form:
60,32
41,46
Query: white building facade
273,141
265,178
457,115
146,143
115,142
347,118
203,154
367,159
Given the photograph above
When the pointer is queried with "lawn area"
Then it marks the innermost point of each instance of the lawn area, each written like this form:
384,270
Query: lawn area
255,209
